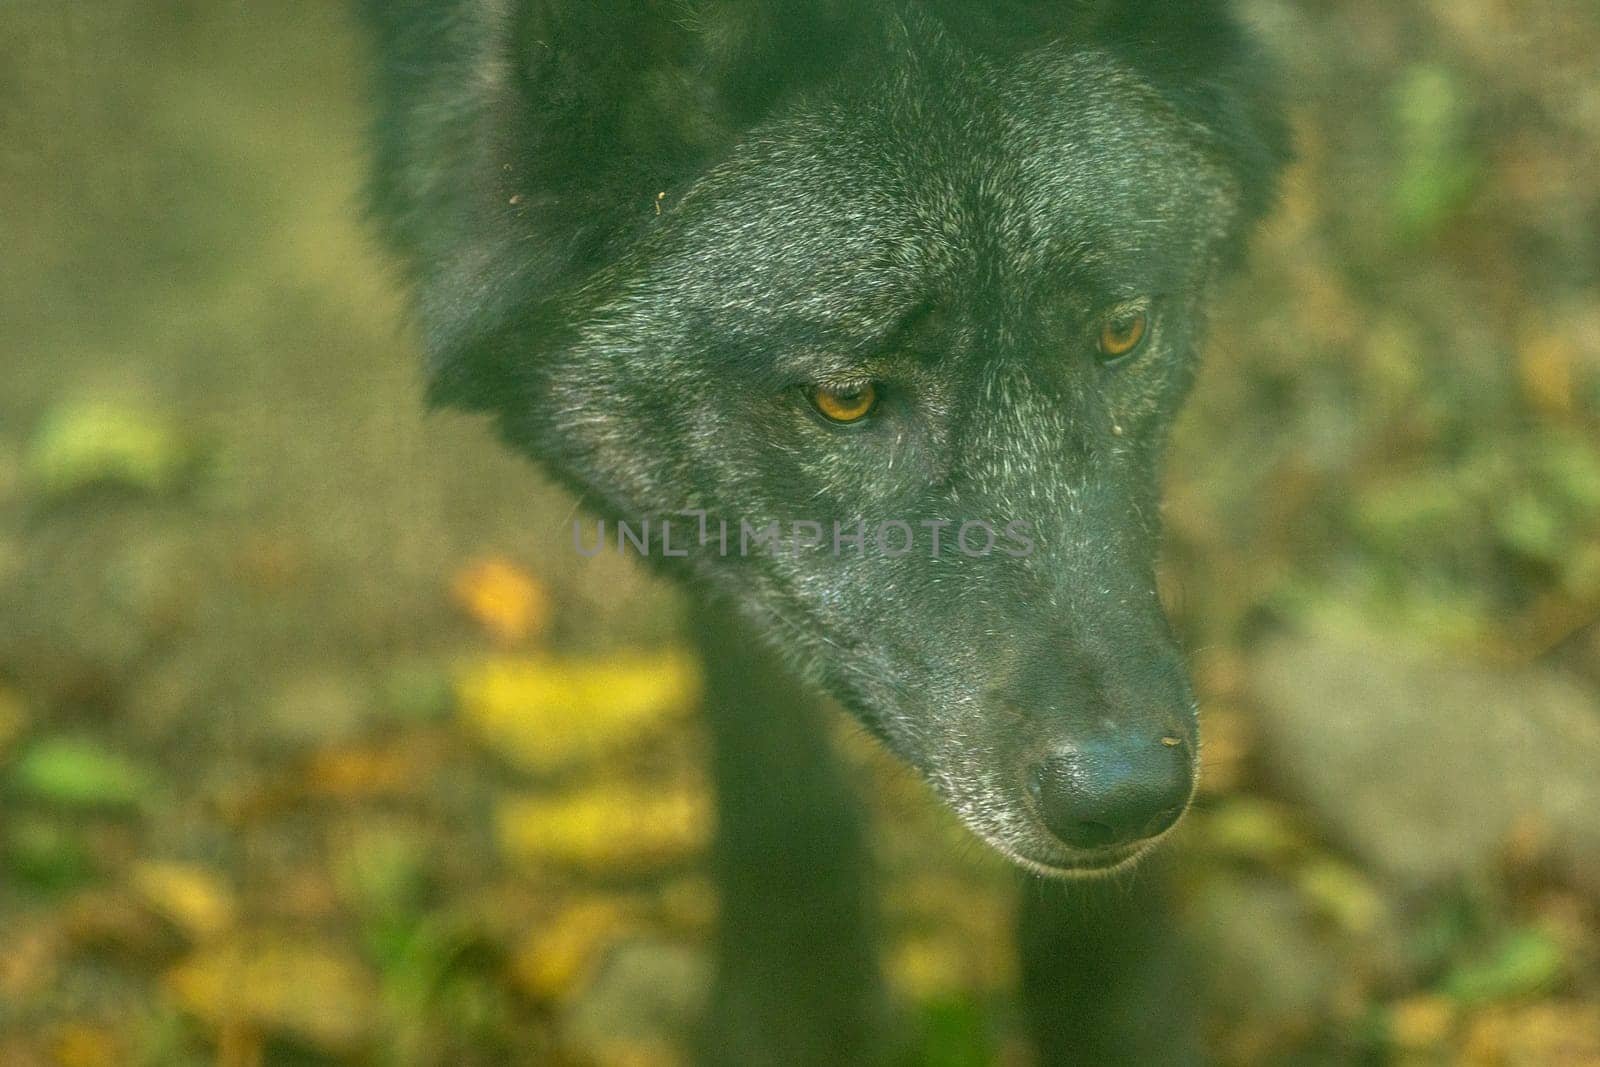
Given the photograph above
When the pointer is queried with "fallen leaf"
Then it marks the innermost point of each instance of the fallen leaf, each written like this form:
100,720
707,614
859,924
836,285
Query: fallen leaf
114,923
1422,1023
1250,828
419,692
319,707
47,853
79,446
31,961
193,899
559,957
964,915
1526,962
502,598
1546,366
305,895
1342,893
362,772
1225,756
1439,169
1556,1032
609,828
382,872
83,1045
279,985
925,967
547,714
639,1053
78,773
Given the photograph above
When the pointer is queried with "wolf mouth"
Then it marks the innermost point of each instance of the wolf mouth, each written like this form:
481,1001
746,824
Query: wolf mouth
1096,865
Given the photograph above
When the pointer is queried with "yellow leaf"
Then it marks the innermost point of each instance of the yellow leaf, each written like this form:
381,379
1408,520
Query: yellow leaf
360,772
945,915
923,967
82,1045
1342,893
192,898
278,986
1546,1032
1249,828
503,599
548,714
30,962
1545,363
638,1053
561,956
609,828
1422,1023
1224,759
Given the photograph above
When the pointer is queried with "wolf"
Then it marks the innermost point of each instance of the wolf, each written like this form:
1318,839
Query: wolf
918,285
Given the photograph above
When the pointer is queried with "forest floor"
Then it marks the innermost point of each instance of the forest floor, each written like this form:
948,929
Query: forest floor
318,744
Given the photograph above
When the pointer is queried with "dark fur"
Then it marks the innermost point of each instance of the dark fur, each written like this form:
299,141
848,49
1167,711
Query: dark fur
639,228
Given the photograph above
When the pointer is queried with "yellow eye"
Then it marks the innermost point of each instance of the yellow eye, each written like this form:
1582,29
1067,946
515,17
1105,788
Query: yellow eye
1123,332
845,406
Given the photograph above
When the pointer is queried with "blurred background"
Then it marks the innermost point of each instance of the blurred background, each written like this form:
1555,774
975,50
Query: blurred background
318,744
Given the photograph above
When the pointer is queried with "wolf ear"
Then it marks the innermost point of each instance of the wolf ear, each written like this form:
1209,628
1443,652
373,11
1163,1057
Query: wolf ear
1202,59
523,144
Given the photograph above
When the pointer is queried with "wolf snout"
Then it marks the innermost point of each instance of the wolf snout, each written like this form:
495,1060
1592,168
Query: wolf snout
1113,792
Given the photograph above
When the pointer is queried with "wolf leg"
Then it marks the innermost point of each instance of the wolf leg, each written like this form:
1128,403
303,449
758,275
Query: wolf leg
798,979
1105,976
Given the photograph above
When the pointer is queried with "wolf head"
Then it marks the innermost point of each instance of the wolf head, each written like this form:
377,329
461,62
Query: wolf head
920,282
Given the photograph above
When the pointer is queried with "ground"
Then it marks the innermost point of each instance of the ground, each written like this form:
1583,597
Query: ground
319,744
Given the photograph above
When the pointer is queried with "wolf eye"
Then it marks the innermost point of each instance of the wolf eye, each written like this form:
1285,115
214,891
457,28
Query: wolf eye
845,406
1123,332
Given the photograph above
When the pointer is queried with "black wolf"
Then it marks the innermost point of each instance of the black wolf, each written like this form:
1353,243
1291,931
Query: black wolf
877,271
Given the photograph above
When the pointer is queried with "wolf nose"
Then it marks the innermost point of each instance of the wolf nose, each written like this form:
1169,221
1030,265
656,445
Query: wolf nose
1102,794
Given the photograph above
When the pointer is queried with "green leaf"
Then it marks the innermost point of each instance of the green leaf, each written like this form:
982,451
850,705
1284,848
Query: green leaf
1524,963
419,692
46,856
80,446
80,774
1439,169
1570,466
1532,528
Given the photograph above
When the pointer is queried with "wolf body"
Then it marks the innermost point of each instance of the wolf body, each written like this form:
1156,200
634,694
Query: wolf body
918,266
